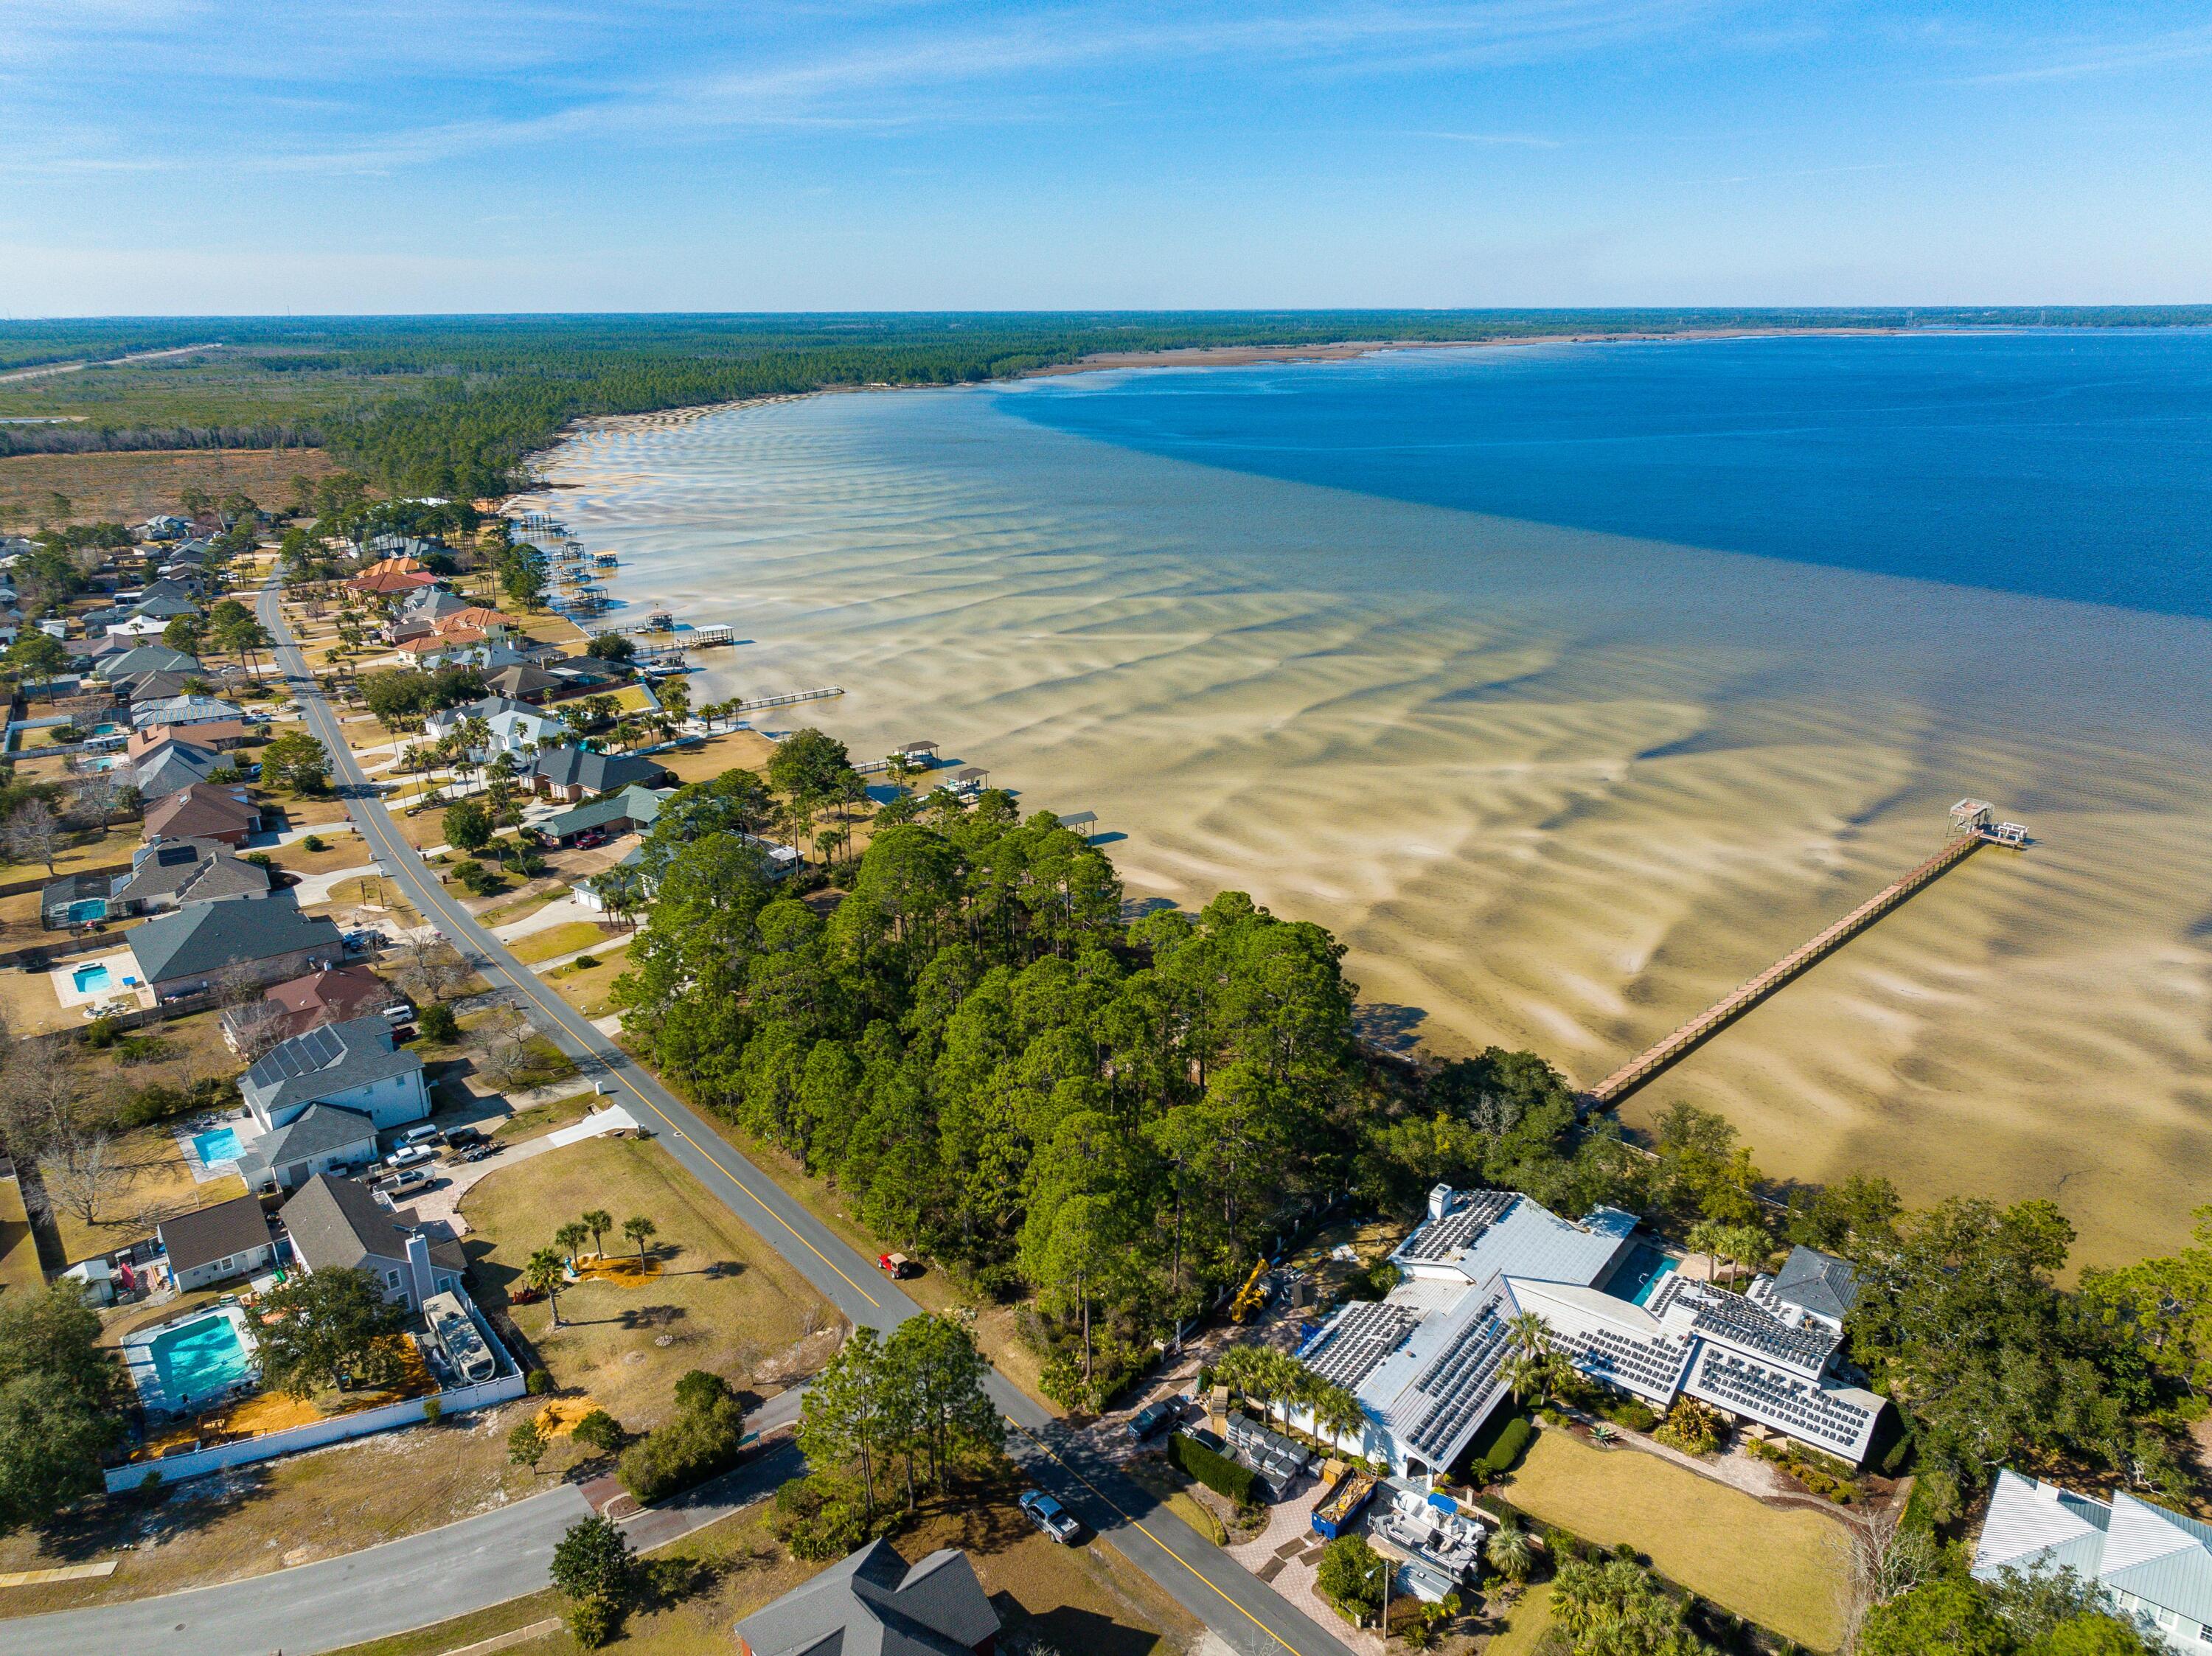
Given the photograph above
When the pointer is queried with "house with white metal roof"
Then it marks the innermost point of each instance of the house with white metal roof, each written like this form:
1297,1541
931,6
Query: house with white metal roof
1427,1363
2154,1566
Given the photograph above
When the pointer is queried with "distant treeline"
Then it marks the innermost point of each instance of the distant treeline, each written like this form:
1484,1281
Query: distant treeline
452,405
89,439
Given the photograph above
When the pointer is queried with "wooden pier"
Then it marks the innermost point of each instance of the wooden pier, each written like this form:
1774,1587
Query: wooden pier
1972,826
790,696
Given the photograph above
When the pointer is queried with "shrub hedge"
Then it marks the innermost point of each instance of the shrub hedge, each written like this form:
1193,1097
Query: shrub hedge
690,1449
1217,1472
1504,1454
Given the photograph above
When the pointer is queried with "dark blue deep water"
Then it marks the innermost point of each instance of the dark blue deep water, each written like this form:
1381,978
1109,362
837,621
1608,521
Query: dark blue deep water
2071,464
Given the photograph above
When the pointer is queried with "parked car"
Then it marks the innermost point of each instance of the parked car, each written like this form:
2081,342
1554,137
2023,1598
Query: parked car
1049,1515
1200,1435
407,1182
1153,1416
409,1155
461,1139
422,1134
896,1265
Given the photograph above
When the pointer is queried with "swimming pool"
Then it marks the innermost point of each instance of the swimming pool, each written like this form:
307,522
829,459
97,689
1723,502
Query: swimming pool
85,909
1640,1274
199,1359
89,977
221,1145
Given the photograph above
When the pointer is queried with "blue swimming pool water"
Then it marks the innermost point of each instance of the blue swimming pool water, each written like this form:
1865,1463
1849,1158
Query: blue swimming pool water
1640,1273
221,1145
87,908
89,977
197,1359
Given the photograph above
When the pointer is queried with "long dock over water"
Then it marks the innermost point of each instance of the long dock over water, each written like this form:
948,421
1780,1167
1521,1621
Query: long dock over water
1972,826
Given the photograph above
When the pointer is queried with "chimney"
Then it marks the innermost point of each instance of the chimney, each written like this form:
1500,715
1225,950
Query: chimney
1440,1201
418,1265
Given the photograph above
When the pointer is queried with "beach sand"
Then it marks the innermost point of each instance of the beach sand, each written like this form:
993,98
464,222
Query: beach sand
1554,789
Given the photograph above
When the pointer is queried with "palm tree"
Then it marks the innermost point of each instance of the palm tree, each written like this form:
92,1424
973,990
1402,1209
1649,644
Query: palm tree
599,1221
544,1272
639,1230
1532,1367
1509,1551
570,1237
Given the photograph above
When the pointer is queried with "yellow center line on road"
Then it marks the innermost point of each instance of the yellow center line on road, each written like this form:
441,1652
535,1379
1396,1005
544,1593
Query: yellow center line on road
527,982
1137,1525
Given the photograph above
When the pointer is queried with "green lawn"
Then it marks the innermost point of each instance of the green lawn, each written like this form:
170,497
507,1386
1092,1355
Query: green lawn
1785,1570
556,941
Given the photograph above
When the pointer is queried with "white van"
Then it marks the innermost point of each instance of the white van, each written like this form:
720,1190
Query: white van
423,1134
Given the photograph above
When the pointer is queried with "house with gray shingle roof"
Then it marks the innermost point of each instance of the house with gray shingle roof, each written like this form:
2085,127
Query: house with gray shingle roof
2154,1567
875,1603
205,944
576,773
212,1244
167,874
182,709
355,1065
338,1224
144,658
321,1138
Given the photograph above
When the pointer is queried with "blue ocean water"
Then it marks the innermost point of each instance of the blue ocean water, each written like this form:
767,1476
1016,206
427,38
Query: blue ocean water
2069,463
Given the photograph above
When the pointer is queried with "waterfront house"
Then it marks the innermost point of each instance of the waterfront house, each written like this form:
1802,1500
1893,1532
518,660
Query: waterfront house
2153,1565
516,727
205,944
355,1065
166,874
204,810
392,578
338,1223
321,1138
875,1602
633,809
576,773
1427,1362
212,1244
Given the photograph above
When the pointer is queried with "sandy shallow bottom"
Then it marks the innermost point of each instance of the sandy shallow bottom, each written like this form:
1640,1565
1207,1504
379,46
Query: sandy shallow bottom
1554,789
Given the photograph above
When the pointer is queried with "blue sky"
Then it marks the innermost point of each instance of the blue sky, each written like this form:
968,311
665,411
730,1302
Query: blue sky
188,156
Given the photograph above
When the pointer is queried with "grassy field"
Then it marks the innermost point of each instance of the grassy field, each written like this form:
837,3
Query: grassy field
1785,1570
558,940
587,988
18,1250
624,1345
110,850
154,1183
1085,1601
132,486
1529,1620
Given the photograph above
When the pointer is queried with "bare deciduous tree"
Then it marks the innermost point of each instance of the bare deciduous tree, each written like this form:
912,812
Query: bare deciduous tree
32,834
429,971
1887,1561
82,1174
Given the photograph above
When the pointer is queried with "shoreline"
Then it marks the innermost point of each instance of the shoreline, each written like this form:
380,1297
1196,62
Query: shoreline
1208,356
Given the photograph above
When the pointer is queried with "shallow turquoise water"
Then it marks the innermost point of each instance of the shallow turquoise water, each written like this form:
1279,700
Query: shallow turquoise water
197,1359
221,1145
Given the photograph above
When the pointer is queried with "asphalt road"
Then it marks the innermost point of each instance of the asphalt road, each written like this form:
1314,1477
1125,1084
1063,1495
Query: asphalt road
1208,1583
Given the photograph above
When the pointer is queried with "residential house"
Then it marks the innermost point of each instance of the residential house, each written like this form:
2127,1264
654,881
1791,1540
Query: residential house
582,674
181,710
516,726
337,1223
2152,1566
204,944
591,893
75,900
212,1244
146,688
519,681
172,765
163,526
576,774
139,627
143,658
166,874
321,1138
392,578
204,810
221,734
355,1065
476,618
631,810
1428,1361
427,604
336,995
875,1602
